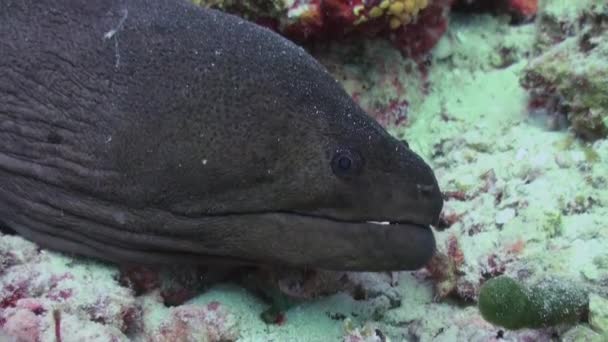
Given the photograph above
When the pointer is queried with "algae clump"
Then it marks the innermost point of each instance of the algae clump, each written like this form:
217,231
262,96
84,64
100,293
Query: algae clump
506,302
571,77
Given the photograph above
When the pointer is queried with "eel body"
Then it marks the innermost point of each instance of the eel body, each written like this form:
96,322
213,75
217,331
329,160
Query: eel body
161,132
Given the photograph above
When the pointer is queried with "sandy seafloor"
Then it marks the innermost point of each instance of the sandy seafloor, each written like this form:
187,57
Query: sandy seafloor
474,127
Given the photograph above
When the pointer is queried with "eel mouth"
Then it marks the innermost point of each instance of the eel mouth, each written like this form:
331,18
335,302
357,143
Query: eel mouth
347,245
272,238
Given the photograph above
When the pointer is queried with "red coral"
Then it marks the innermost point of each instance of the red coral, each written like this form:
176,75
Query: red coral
12,294
394,114
444,269
140,279
454,251
336,19
523,8
419,37
60,295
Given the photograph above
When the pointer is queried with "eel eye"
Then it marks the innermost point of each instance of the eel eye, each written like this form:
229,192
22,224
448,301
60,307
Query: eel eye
346,163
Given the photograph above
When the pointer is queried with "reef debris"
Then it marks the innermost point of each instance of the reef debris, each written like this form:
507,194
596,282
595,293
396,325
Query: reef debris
569,77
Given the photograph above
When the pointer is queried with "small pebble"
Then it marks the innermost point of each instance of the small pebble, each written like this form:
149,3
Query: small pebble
505,215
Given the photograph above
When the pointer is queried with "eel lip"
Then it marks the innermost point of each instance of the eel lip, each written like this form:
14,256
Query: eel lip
406,246
376,245
365,245
279,238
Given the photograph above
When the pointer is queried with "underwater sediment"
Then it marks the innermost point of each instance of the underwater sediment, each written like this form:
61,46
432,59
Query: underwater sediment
511,115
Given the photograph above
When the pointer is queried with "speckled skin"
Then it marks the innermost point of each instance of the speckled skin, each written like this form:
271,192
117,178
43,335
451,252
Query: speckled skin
160,132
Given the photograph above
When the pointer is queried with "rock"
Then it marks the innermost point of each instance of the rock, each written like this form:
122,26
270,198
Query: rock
598,313
571,77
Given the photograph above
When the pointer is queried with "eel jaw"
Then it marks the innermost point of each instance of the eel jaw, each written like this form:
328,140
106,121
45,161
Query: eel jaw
299,240
387,246
274,238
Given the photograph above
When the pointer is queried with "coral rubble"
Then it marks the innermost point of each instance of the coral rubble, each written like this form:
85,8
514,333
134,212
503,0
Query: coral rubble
570,77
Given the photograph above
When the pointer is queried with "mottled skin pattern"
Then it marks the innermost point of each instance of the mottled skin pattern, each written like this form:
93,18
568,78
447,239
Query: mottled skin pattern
160,132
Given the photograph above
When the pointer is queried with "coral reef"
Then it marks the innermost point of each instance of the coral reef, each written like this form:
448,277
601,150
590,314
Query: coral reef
384,88
286,288
206,323
414,26
46,296
559,19
520,200
570,78
508,303
42,296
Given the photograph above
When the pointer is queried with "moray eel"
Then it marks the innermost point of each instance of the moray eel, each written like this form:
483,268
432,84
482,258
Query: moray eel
162,132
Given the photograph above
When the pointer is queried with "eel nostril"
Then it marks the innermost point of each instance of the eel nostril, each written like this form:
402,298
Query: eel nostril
426,190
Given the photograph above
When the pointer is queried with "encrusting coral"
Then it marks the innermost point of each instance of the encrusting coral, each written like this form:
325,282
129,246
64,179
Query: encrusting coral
413,26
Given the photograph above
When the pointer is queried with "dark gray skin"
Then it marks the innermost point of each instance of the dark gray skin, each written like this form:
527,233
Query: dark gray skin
160,132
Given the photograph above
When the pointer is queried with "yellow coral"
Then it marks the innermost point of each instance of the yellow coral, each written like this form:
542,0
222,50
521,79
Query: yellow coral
396,8
410,5
376,12
396,12
394,23
358,10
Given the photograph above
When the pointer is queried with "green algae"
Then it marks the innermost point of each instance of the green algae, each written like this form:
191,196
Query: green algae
508,303
553,224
